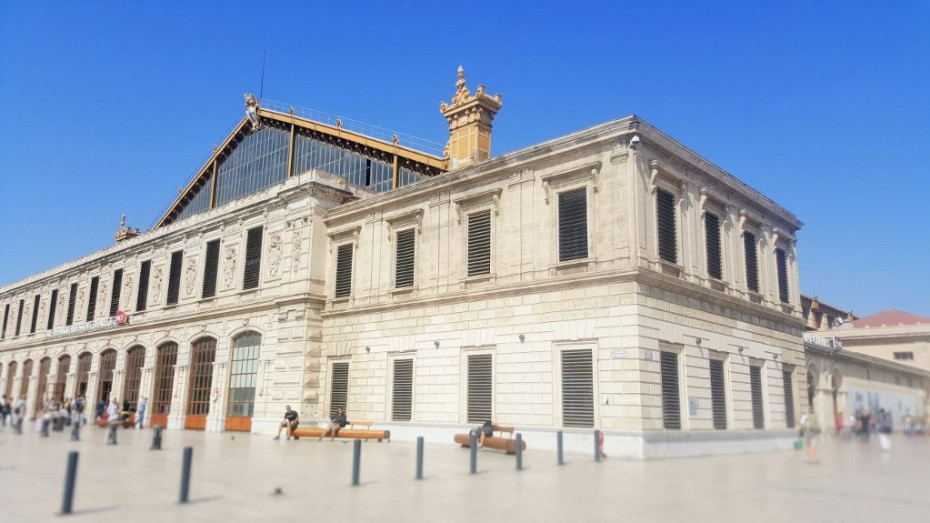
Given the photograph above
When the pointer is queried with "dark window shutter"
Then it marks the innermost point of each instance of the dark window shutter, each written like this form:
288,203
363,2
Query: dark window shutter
174,277
718,394
665,226
573,224
480,388
787,382
72,301
671,400
52,308
577,388
6,316
339,384
479,243
210,269
19,317
253,258
402,393
782,265
142,297
92,298
35,313
115,291
752,261
344,270
404,258
712,242
755,385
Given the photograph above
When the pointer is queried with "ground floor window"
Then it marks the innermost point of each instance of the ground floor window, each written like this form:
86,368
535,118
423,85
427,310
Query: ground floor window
402,390
339,387
577,388
755,385
671,393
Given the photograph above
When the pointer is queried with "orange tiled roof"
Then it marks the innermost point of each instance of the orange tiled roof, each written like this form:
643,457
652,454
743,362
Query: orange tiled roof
890,317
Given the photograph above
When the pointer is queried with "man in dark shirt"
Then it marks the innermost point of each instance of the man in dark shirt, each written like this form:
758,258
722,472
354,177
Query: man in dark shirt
290,422
337,421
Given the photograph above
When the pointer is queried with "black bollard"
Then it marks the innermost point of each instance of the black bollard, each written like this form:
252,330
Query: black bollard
67,501
186,474
597,445
75,432
558,447
356,461
111,437
156,439
474,453
419,457
519,451
44,432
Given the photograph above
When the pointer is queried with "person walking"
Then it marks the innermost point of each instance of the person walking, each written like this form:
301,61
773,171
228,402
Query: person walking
77,411
114,419
810,430
140,412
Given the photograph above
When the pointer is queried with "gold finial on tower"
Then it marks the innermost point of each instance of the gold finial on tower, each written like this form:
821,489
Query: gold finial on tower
470,117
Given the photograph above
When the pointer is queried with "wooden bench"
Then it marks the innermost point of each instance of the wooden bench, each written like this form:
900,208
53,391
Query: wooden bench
126,423
354,430
507,444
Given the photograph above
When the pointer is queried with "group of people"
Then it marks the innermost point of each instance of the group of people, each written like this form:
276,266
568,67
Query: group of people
12,413
291,420
862,424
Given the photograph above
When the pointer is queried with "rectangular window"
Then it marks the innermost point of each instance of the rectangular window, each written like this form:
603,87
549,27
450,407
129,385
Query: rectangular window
6,317
210,269
718,394
52,308
402,392
782,265
755,385
752,261
789,397
19,317
174,277
344,270
480,388
671,400
35,314
901,356
92,298
404,258
142,297
479,243
72,301
712,243
339,385
577,388
573,224
115,291
667,230
253,258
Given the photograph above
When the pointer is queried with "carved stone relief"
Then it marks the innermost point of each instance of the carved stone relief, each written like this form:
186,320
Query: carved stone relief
190,276
296,249
156,285
274,255
229,266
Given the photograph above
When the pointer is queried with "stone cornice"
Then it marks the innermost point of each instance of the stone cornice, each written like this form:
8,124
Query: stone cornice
865,359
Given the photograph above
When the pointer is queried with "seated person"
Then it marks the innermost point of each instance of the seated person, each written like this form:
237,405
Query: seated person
337,421
484,431
290,422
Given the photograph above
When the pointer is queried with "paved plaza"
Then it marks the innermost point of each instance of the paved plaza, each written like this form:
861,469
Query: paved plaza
235,477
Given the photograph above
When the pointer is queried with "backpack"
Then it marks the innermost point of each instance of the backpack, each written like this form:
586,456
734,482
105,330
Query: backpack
79,405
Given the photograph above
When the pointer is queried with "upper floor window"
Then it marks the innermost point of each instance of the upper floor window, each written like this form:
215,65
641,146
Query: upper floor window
344,270
479,243
752,261
782,266
35,313
666,226
573,224
142,297
92,298
904,356
174,277
404,258
253,258
6,316
52,307
19,317
210,273
713,245
115,291
72,301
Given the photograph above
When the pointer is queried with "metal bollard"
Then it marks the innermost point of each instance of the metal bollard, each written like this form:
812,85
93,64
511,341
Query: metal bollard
356,461
156,439
558,447
597,445
67,501
111,437
44,432
519,451
419,457
473,447
76,431
186,475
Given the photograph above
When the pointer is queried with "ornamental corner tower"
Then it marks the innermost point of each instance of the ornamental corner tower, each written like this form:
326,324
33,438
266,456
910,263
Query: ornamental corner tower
470,117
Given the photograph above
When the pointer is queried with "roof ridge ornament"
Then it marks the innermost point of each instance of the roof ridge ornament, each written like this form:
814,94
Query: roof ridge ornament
125,233
470,117
252,108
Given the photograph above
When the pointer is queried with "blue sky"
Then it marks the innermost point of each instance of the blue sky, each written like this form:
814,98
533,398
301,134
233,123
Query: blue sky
108,107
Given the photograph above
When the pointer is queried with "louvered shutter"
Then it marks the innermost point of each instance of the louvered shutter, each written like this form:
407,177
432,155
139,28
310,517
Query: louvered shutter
577,388
402,393
52,308
718,394
339,386
755,384
712,243
788,384
72,301
344,270
35,313
210,265
142,297
6,316
404,258
253,258
479,243
115,291
573,224
752,262
782,266
174,277
92,298
671,401
480,388
665,226
19,317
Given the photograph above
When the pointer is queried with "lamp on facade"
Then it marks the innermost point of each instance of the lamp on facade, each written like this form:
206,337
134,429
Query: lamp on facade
436,343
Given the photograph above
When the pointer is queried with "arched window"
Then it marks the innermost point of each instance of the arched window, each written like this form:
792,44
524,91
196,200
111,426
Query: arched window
45,366
107,366
83,371
166,357
135,357
243,377
27,373
203,352
64,366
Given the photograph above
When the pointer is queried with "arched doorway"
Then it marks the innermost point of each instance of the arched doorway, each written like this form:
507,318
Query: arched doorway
45,366
10,374
243,377
203,353
64,365
83,371
107,366
135,357
166,357
24,383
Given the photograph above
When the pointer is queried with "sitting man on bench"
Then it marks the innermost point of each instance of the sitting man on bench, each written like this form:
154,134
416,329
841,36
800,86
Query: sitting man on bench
290,421
337,422
484,431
